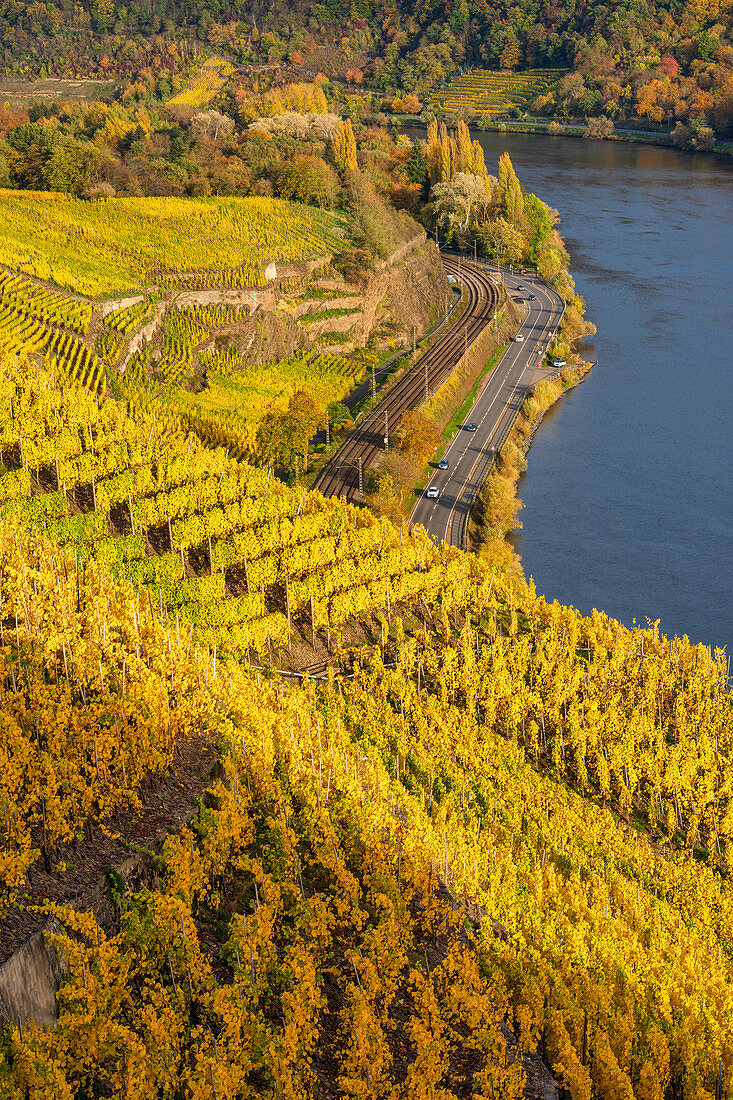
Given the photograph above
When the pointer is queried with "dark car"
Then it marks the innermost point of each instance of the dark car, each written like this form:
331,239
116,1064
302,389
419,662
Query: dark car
531,297
471,427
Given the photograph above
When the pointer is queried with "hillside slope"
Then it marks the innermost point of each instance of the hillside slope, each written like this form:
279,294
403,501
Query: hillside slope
508,827
643,59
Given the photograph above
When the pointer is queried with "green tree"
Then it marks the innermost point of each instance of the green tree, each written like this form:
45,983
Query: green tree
540,221
416,168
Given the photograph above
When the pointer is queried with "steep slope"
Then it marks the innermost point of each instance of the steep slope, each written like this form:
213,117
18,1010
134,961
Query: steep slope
315,928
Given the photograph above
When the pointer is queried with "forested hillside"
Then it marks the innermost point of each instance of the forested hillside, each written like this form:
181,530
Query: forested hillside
646,59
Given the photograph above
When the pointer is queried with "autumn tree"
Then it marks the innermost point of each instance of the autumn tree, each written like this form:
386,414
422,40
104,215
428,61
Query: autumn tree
309,179
343,147
599,128
282,436
510,190
418,435
502,241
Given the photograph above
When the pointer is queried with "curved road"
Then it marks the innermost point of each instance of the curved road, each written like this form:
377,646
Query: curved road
340,477
470,453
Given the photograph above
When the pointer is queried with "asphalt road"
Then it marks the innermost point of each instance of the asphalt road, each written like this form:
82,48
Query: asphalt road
470,453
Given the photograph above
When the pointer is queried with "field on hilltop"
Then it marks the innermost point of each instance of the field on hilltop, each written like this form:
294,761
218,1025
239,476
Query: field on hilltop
116,246
204,84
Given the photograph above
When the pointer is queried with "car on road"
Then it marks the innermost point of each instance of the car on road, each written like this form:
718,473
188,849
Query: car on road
530,297
518,338
432,493
443,464
558,363
471,427
520,286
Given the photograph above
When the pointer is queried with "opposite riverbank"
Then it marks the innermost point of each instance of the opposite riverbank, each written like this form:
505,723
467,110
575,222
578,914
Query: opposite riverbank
576,128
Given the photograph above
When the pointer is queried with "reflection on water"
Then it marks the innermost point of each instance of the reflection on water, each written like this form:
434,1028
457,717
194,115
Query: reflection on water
628,495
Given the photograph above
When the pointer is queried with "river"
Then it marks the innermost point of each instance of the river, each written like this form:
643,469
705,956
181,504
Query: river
628,496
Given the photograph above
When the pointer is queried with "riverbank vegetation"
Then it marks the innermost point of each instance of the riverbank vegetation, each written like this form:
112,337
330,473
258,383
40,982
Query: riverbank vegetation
496,512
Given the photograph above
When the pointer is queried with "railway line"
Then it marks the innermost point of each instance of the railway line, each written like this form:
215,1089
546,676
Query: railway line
343,474
470,454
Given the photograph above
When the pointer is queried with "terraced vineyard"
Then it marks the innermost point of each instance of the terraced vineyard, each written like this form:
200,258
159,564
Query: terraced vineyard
119,246
203,86
243,560
34,320
493,93
182,331
228,411
127,319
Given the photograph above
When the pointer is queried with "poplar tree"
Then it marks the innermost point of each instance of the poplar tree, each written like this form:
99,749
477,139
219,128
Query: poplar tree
510,190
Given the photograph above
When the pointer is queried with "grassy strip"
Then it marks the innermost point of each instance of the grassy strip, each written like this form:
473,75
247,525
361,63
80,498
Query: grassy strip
460,414
326,314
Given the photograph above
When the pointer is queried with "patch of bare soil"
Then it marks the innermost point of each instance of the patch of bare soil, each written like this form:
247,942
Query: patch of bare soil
166,802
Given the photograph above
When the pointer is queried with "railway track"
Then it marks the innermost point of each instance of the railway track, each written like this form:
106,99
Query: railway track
341,476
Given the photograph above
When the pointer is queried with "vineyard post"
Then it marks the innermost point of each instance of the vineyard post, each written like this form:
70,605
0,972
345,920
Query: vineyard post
374,384
287,602
361,474
386,430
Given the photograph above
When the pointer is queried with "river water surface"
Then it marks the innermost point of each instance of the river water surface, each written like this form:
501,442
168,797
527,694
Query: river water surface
629,490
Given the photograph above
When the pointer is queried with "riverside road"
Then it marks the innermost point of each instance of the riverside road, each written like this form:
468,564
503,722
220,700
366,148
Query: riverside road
470,453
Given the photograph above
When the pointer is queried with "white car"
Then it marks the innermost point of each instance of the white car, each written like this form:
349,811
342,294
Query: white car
518,338
432,493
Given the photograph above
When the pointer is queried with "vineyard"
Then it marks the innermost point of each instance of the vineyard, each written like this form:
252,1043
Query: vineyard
235,403
509,830
495,829
115,246
36,320
204,85
219,544
493,93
